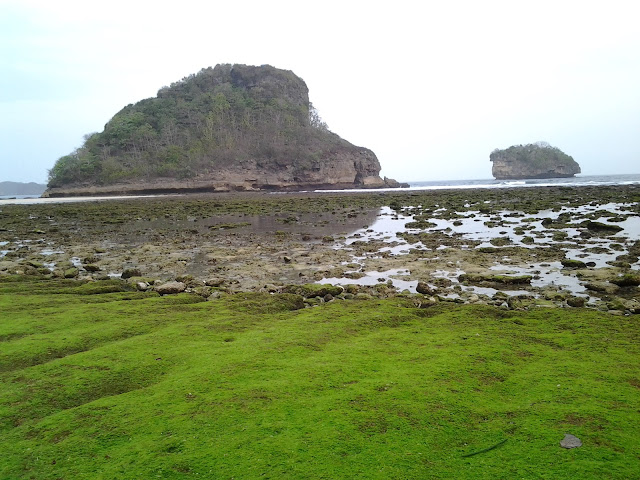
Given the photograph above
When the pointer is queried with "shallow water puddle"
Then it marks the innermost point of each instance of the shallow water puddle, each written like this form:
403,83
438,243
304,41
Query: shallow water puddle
561,228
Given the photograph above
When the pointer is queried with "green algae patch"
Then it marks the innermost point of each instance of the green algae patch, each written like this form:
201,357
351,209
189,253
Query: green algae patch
627,280
598,227
311,290
127,385
474,278
570,263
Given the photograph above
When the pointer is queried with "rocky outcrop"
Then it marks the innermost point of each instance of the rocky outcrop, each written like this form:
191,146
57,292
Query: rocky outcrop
228,128
539,160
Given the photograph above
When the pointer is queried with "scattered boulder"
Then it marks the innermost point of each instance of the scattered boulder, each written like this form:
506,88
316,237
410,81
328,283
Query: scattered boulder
475,278
71,272
576,302
311,290
570,441
627,280
214,282
573,264
599,227
632,306
601,287
425,289
130,272
170,288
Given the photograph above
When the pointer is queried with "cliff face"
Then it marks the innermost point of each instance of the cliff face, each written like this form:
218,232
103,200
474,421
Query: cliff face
232,127
539,160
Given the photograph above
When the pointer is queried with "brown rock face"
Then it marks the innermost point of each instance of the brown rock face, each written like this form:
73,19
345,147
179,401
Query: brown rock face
232,127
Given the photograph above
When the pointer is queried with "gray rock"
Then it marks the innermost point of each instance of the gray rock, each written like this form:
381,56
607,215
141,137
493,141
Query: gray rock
473,298
633,306
569,441
142,286
170,288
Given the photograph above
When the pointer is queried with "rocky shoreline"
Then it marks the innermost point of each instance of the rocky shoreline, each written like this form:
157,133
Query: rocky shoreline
552,247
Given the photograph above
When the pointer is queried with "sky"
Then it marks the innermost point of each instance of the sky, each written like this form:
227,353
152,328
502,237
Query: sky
432,87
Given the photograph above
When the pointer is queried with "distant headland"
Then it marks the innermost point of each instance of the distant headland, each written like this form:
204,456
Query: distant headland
537,160
227,128
20,188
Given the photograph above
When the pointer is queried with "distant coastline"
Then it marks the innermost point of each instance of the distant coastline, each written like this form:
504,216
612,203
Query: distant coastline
582,180
21,188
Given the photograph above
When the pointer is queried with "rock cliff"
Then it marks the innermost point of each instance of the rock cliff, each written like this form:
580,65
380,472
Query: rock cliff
539,160
232,127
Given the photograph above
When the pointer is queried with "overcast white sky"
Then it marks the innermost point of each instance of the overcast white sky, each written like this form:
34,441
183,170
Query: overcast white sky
431,87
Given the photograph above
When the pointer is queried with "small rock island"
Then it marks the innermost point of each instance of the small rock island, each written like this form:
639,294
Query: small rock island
537,160
227,128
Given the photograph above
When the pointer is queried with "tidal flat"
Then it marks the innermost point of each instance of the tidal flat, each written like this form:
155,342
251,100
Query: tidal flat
516,248
377,335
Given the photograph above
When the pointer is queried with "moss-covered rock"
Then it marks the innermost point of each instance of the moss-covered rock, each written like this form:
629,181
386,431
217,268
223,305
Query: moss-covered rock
627,280
574,264
311,290
489,278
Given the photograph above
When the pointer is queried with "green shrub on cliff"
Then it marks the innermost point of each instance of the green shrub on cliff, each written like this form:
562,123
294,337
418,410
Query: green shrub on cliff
219,117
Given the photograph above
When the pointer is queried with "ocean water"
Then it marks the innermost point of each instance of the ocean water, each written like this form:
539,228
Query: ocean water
583,180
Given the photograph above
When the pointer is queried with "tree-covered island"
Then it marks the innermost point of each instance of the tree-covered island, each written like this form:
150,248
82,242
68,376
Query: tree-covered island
231,127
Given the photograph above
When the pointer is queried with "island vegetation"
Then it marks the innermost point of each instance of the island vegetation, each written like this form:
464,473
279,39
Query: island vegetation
534,160
232,118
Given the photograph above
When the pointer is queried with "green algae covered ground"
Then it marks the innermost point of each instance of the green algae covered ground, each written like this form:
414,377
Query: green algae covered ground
101,382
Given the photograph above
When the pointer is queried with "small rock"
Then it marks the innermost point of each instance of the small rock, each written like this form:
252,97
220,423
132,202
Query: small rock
71,272
425,289
633,306
287,259
577,302
142,286
214,282
170,288
569,441
328,297
270,288
131,272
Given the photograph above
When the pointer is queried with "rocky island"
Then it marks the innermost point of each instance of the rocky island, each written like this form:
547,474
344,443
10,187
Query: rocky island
227,128
538,160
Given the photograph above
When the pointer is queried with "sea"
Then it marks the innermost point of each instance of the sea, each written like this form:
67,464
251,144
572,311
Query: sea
578,181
